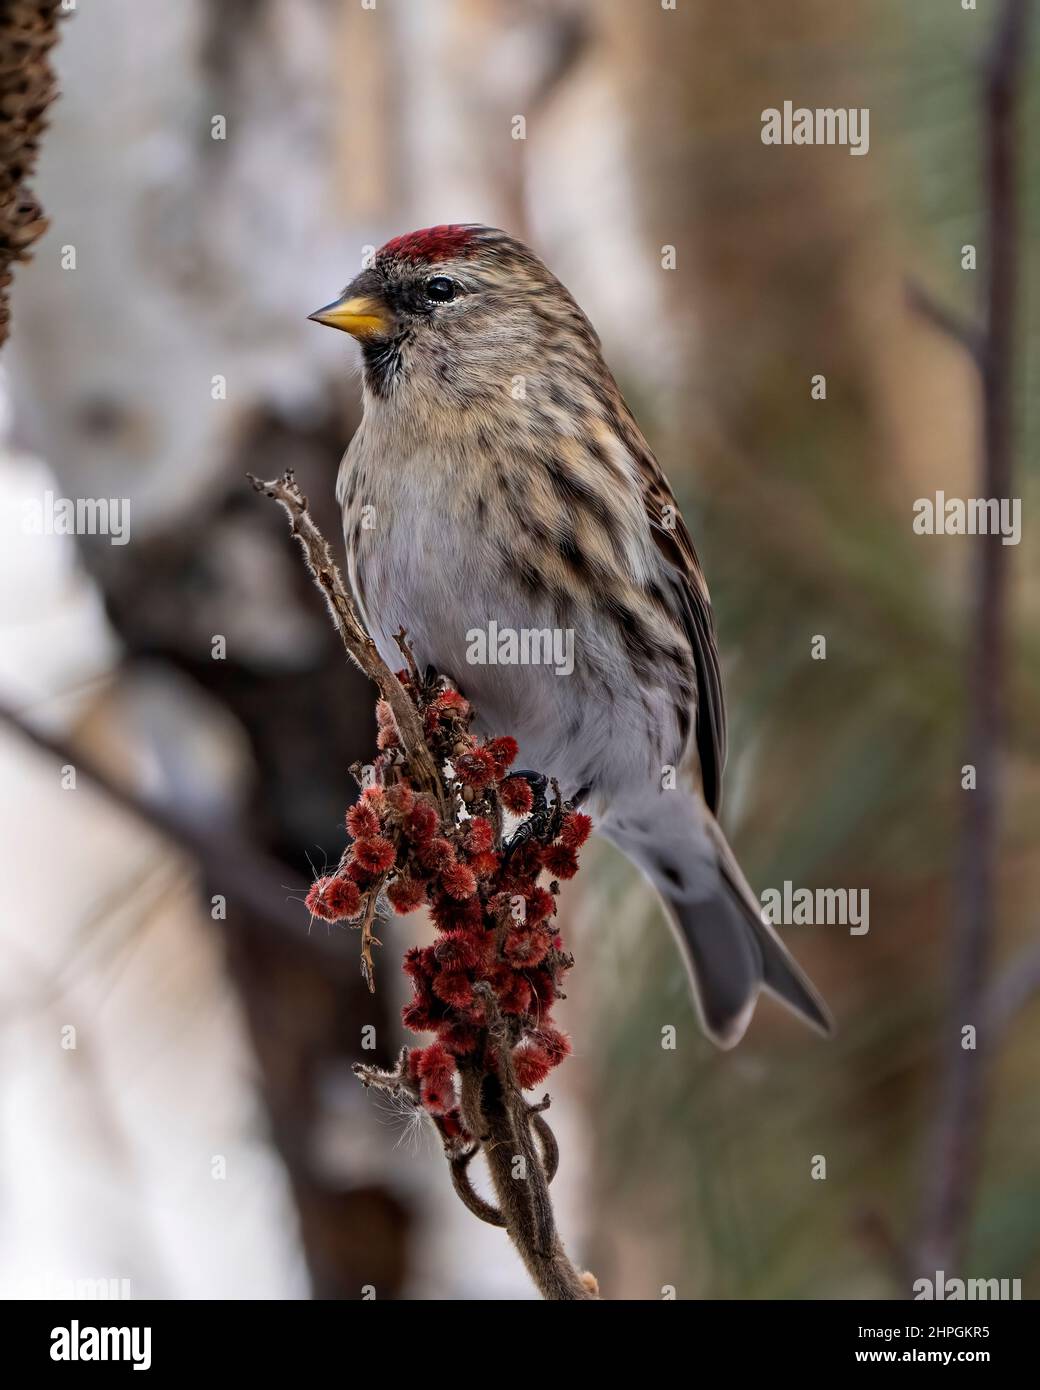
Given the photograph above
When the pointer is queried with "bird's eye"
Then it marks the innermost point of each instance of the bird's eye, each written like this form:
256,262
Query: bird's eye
440,289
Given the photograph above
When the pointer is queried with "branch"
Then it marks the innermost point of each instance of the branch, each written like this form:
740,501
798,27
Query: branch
359,645
955,1157
369,939
1012,991
252,879
469,1197
524,1206
486,987
966,334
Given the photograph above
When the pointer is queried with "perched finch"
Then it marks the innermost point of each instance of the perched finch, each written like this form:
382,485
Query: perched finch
498,483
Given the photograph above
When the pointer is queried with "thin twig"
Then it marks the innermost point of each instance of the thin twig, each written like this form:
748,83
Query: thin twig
369,939
550,1148
1016,986
467,1193
358,644
963,332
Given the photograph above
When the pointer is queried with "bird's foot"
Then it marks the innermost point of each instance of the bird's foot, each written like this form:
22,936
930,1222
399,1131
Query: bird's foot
540,815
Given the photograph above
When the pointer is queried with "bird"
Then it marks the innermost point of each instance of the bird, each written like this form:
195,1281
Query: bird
499,484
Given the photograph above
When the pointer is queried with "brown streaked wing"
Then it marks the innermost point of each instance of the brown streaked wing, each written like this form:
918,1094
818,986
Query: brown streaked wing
676,547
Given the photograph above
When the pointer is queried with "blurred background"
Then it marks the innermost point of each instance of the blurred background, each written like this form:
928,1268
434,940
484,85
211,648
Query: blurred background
199,1131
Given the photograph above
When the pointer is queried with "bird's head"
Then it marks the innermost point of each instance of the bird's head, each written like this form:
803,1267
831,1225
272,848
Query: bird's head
452,316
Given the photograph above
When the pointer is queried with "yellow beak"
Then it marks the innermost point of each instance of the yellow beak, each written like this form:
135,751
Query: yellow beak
361,316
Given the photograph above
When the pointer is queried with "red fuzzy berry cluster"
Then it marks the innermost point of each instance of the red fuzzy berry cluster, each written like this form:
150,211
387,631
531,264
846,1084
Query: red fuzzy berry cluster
497,949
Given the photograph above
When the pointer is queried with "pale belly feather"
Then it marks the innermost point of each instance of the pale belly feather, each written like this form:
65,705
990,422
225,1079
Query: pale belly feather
591,729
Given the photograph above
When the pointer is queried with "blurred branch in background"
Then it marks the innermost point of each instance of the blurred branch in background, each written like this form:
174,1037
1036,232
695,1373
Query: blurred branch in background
1014,988
963,331
954,1161
257,882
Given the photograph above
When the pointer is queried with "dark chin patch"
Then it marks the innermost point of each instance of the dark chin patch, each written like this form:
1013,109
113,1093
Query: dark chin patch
384,363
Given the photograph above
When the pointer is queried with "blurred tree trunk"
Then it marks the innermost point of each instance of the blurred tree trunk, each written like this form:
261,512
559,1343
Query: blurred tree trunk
196,200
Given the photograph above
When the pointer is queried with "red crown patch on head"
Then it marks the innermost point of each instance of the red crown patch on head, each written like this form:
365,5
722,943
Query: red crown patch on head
432,243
